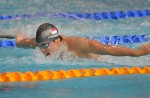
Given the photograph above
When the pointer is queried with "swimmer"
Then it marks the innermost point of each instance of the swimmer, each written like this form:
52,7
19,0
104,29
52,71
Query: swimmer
49,41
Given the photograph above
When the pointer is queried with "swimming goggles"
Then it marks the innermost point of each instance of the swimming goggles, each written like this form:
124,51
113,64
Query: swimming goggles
44,45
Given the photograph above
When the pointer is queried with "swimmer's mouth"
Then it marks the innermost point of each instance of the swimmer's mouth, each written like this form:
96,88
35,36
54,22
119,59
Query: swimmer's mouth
47,54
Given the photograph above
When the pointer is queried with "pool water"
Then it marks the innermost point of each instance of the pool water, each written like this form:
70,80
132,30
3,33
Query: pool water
17,59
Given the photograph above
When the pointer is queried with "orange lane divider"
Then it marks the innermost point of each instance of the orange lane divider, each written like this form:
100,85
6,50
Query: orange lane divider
72,73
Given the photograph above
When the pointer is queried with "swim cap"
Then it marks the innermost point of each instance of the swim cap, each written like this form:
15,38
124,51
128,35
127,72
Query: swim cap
46,33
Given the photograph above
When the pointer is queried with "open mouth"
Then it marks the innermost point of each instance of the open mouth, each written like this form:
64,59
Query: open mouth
47,54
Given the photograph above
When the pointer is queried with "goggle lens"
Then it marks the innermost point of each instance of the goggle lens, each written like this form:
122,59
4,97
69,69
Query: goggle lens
44,45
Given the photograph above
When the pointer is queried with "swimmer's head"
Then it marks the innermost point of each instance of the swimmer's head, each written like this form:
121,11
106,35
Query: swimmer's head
46,33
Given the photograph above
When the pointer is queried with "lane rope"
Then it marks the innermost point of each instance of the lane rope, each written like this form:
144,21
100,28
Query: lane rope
80,15
113,40
71,73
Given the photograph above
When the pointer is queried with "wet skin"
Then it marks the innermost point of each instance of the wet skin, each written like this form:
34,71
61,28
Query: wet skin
83,47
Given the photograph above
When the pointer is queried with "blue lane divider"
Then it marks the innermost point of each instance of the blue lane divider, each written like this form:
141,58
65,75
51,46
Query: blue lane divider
7,43
112,15
77,15
114,40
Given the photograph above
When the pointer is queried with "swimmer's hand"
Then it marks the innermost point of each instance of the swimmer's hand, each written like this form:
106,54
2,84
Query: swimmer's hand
145,49
20,37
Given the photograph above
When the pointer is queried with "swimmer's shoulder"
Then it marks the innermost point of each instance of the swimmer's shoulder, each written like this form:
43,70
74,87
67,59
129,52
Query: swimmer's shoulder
69,37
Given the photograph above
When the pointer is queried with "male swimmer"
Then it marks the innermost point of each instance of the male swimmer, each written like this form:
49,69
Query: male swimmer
49,41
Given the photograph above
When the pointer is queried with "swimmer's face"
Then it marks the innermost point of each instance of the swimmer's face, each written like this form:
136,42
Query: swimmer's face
45,49
49,47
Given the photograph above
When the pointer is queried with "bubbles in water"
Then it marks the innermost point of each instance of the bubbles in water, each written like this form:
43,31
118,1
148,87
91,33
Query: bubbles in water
80,27
61,54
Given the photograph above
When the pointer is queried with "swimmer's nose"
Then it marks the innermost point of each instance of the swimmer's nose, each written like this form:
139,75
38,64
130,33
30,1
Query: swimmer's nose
42,49
45,51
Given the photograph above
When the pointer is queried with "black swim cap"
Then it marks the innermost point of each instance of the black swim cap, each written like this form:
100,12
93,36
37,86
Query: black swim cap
46,32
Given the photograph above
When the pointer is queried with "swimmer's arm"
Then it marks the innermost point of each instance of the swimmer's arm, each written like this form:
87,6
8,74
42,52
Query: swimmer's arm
25,42
99,48
93,46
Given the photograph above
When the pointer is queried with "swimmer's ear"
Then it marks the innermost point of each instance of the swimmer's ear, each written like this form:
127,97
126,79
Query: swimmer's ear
61,38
